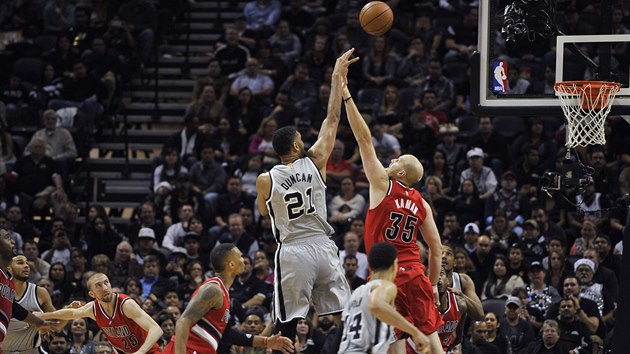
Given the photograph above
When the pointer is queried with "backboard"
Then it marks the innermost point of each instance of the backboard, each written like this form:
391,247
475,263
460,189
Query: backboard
534,52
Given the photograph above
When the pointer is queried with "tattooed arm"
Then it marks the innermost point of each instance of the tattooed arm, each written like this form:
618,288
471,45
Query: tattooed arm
209,297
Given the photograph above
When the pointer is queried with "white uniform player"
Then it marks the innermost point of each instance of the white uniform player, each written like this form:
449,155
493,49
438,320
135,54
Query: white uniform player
306,257
363,332
22,337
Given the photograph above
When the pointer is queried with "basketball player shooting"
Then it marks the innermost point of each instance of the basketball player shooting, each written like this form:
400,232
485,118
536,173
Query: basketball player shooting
293,193
397,211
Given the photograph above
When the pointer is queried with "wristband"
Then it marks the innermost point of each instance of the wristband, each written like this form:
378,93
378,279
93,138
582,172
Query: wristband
346,99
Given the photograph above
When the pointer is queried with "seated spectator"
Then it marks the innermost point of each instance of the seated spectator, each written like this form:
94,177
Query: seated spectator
61,249
350,269
230,141
260,85
386,145
492,143
318,55
550,342
237,235
101,238
246,37
493,336
536,137
263,269
308,340
517,265
80,31
557,269
233,56
285,45
317,110
148,217
589,313
378,65
603,275
507,198
80,335
351,245
62,286
39,267
152,282
124,265
207,108
389,112
14,98
104,65
63,57
244,113
338,168
346,205
59,142
140,17
193,277
500,232
84,92
455,152
483,177
252,167
7,156
413,67
541,294
262,15
247,290
467,204
440,203
253,325
119,39
146,246
518,331
221,82
171,169
516,84
461,38
353,33
282,109
588,231
261,142
499,283
208,176
58,15
437,82
174,237
300,87
573,332
602,245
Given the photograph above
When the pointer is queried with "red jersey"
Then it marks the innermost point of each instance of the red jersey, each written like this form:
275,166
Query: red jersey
7,294
123,332
206,334
396,220
451,318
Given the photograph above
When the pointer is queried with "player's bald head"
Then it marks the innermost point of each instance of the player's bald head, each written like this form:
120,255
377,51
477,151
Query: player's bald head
413,167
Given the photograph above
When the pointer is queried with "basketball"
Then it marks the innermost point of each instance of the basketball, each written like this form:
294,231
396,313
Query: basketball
376,18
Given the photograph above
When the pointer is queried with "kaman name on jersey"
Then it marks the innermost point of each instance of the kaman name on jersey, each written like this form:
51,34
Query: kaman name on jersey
406,204
296,178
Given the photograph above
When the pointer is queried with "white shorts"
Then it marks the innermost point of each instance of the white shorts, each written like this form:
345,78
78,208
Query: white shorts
308,270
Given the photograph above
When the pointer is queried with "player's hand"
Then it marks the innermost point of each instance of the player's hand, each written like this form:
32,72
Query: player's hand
74,305
341,66
283,344
48,327
456,291
436,296
421,341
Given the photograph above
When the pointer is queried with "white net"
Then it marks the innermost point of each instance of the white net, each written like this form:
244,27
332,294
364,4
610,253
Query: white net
586,105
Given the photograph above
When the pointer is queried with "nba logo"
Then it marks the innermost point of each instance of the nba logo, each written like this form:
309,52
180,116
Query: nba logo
499,82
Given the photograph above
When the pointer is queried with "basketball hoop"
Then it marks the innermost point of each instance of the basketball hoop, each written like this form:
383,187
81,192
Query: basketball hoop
586,105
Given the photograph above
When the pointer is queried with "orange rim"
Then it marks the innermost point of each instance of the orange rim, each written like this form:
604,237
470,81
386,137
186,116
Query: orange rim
588,97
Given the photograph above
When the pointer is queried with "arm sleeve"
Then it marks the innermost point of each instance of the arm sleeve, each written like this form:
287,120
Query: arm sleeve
19,313
235,337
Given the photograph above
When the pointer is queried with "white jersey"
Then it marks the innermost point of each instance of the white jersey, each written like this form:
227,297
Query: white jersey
297,203
22,336
362,331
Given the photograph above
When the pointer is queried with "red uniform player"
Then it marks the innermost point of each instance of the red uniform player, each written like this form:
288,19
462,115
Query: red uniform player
125,324
397,213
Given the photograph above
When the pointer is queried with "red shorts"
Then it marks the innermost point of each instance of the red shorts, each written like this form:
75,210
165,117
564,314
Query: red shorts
415,299
170,348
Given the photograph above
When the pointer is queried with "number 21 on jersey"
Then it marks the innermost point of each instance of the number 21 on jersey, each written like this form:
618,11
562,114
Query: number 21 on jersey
298,204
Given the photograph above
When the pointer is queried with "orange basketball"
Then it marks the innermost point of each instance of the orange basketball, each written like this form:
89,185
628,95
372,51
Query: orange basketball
376,18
